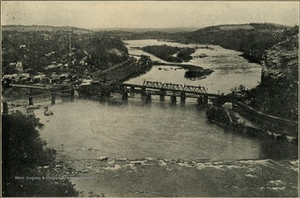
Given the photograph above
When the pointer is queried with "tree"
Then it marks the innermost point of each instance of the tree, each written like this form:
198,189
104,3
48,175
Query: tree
23,152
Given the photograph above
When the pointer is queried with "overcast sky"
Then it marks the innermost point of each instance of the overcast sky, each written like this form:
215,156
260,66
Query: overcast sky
146,14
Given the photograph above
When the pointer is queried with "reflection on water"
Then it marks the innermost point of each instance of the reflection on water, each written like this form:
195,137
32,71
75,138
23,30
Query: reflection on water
137,130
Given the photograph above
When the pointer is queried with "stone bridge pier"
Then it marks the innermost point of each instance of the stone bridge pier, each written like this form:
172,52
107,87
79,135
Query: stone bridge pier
173,98
202,100
162,95
182,97
148,98
143,92
131,90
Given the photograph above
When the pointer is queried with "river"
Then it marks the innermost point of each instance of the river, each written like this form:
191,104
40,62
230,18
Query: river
230,69
83,129
135,130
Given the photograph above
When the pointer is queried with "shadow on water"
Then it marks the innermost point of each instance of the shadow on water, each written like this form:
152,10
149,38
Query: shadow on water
271,149
278,150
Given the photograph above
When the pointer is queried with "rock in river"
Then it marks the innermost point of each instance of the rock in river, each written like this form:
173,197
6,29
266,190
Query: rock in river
103,158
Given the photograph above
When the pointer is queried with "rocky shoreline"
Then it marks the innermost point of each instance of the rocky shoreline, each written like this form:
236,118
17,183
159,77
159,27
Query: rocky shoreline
227,119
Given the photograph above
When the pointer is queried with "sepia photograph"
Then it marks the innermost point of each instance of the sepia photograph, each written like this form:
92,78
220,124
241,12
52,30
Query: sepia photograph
149,98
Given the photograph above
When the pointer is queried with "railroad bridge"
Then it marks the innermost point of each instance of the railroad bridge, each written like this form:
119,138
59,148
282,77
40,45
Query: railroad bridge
146,90
51,90
149,88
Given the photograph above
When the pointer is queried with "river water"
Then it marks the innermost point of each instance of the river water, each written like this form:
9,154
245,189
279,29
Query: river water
194,157
230,69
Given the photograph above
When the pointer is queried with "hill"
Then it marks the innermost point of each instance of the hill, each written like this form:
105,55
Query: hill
142,30
57,47
251,39
27,28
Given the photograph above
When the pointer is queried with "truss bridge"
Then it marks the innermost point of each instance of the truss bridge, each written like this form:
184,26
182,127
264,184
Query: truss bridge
149,88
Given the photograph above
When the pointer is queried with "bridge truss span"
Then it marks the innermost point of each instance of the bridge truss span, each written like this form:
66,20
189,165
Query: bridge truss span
196,89
153,84
171,86
175,87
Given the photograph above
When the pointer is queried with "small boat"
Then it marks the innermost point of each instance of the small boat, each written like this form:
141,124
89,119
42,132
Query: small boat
47,112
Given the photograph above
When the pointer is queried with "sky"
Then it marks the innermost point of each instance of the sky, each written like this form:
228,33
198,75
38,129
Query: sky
147,14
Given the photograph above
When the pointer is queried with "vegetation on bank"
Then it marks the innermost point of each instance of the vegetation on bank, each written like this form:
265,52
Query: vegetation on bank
28,165
169,53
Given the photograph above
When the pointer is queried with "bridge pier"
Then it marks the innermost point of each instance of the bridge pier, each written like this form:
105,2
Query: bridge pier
173,98
53,98
132,91
182,97
162,95
205,99
148,98
200,100
125,96
143,92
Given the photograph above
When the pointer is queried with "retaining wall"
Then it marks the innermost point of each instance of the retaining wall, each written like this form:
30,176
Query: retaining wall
268,122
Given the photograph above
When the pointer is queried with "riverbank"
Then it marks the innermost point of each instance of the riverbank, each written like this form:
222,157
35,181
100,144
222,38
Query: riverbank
230,118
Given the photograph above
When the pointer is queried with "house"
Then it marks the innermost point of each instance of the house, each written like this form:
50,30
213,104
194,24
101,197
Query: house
54,78
23,77
53,66
39,78
65,76
86,81
19,66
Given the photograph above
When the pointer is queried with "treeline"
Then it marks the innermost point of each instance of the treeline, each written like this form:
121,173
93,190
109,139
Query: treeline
169,53
26,163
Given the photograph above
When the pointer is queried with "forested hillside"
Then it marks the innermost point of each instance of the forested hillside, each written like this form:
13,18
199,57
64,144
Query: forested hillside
251,39
41,50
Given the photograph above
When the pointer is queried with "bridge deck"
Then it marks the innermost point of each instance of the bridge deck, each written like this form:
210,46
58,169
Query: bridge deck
30,86
41,86
158,86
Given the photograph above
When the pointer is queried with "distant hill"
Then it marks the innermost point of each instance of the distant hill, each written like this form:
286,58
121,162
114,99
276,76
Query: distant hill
251,39
250,26
143,30
25,28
